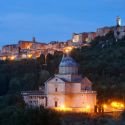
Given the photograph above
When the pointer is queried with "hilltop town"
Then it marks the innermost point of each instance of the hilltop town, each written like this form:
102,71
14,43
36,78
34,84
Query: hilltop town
33,49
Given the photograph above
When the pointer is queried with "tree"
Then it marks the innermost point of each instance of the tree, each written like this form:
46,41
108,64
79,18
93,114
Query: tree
43,76
14,85
3,84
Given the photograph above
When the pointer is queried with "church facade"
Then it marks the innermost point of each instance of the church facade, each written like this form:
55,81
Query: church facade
66,90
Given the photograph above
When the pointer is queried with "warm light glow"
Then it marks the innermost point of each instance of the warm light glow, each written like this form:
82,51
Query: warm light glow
68,49
12,57
117,105
4,58
104,106
87,107
65,109
122,106
62,106
29,55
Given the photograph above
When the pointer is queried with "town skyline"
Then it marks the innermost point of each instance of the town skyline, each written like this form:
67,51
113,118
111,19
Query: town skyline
33,37
55,20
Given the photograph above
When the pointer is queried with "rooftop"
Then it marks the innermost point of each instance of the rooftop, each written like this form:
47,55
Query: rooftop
68,61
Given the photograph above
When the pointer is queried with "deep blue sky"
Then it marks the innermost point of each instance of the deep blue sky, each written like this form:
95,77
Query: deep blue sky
50,20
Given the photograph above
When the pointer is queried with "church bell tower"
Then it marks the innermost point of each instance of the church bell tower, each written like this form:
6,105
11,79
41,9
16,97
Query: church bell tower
118,21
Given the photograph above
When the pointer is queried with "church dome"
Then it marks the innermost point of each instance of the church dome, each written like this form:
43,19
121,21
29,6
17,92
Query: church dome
68,65
67,61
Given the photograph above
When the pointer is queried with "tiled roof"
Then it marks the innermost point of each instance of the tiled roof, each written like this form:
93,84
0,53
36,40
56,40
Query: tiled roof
67,61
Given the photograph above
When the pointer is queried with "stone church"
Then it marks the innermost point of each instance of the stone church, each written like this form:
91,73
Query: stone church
66,90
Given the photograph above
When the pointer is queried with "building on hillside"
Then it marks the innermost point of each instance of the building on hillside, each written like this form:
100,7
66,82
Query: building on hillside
30,49
9,52
77,39
91,36
23,50
104,30
83,38
66,90
119,30
10,49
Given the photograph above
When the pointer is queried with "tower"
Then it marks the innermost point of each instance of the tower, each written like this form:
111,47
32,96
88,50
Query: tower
118,21
34,39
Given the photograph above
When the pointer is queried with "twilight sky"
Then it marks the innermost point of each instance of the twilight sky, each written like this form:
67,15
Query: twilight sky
50,20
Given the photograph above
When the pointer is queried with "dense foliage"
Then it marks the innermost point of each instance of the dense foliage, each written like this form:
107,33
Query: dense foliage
17,76
27,74
38,116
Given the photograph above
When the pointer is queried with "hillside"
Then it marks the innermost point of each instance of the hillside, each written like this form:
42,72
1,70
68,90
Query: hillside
26,74
103,63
